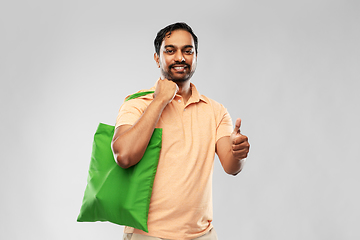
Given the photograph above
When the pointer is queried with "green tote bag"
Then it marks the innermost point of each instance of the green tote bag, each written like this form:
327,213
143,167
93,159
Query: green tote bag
117,195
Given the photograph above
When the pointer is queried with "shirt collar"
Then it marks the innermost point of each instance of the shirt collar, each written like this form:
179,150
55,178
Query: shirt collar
195,95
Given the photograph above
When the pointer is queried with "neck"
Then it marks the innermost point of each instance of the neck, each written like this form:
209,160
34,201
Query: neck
184,90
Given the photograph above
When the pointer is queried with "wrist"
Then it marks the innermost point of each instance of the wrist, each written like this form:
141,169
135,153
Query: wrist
161,102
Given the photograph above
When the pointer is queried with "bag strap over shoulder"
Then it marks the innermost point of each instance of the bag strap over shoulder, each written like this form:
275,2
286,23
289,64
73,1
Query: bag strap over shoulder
139,94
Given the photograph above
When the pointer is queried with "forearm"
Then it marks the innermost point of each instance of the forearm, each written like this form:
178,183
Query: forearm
233,165
129,146
232,153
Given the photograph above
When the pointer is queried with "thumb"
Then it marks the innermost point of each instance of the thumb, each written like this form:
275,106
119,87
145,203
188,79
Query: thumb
237,126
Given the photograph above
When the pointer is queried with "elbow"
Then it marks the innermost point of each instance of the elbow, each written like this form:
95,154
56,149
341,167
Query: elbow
233,173
121,157
236,173
122,160
126,156
234,170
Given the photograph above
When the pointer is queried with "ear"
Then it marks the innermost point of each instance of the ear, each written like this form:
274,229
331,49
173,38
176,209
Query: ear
157,59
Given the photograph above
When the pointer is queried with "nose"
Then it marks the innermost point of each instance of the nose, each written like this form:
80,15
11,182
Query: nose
179,57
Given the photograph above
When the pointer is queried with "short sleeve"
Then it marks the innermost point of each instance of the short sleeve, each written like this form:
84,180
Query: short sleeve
224,123
130,112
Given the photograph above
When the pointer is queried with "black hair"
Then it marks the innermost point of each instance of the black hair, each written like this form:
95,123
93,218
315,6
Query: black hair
167,32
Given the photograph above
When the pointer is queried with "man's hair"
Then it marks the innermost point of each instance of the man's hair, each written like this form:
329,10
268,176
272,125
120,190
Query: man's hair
167,32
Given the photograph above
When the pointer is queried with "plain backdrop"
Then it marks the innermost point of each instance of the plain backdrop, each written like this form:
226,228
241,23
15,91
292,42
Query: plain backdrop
289,69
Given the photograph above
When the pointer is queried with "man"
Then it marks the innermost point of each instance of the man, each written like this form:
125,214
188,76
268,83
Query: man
194,128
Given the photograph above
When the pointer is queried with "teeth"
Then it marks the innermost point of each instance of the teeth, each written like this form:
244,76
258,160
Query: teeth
179,68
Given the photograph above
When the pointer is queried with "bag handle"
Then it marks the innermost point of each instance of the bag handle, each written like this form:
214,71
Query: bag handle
139,94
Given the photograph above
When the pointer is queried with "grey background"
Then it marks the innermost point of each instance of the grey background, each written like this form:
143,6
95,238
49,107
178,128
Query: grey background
289,69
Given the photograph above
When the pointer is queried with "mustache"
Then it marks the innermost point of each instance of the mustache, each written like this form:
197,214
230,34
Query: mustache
179,63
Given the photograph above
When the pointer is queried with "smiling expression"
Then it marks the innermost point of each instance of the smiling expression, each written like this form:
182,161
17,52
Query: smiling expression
177,60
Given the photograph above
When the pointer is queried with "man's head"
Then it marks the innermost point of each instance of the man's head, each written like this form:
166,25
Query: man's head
176,52
166,31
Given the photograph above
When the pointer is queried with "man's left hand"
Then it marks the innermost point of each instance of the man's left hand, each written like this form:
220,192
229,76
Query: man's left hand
239,143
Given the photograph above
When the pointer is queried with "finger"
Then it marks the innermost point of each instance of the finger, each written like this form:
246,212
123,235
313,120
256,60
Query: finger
241,154
240,139
237,125
241,146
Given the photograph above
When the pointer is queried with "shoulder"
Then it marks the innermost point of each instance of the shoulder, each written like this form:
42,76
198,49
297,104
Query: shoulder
139,100
216,106
204,99
142,94
221,114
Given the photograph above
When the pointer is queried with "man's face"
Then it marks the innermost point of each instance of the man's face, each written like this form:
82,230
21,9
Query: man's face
177,60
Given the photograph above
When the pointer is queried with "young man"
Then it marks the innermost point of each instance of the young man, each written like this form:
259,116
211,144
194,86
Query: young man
194,128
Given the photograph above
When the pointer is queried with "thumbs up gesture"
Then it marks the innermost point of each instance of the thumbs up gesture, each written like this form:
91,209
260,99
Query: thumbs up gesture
240,145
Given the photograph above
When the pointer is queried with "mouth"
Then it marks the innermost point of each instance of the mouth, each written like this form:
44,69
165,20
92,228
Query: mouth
179,68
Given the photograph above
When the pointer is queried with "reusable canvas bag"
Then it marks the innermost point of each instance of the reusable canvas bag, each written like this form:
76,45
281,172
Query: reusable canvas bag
117,195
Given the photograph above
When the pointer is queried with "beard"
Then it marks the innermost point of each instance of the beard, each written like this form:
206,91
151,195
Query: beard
178,79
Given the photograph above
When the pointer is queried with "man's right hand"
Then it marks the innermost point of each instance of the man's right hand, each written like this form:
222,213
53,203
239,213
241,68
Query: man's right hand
127,146
165,90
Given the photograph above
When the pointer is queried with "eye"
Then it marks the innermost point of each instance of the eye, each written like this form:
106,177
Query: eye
190,51
169,51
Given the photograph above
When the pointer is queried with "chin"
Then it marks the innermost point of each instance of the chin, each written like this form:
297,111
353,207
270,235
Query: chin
178,79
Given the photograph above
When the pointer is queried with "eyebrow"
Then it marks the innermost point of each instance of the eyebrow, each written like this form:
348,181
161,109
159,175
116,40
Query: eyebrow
172,46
